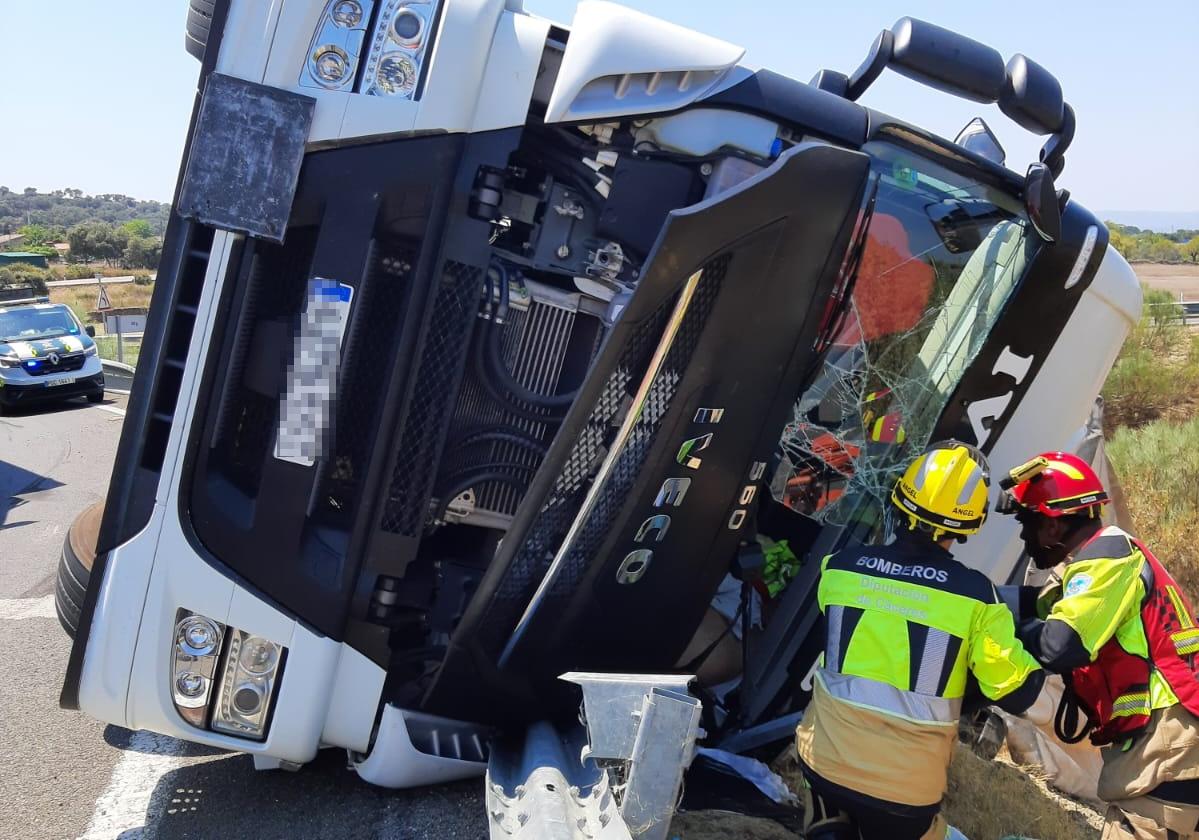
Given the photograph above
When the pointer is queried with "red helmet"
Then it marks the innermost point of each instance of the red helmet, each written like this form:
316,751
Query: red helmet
1057,484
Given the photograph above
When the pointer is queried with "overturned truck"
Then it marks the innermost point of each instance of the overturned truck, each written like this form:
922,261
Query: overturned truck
484,350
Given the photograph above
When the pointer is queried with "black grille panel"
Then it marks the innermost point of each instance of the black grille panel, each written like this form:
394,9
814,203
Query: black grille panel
628,465
544,535
369,348
443,349
65,364
249,410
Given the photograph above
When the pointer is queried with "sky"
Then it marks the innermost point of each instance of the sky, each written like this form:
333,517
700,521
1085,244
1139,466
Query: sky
101,102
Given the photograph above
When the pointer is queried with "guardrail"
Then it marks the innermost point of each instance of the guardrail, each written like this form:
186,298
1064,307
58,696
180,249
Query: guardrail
118,377
1176,311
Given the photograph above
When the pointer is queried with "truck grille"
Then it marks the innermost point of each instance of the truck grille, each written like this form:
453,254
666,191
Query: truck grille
444,345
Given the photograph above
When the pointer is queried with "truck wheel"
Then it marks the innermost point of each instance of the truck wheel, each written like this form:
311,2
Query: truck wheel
75,566
199,22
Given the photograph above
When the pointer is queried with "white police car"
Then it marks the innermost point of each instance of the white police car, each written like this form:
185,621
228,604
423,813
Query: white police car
45,354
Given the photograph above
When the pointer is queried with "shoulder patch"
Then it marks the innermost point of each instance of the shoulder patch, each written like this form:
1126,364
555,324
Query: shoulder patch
1106,547
1078,584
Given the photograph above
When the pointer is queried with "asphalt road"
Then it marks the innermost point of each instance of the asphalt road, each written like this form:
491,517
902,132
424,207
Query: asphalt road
64,775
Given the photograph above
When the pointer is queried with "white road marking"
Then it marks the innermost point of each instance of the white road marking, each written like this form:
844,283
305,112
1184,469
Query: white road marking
111,409
16,609
130,808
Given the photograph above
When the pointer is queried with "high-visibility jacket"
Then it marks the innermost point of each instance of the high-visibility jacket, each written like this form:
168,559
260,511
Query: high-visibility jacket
1137,630
908,626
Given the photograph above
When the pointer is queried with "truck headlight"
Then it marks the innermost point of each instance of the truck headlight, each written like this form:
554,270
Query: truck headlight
399,46
247,684
337,45
195,653
223,675
91,351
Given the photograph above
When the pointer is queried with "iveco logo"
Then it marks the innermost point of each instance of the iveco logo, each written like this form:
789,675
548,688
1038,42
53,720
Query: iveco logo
54,358
672,495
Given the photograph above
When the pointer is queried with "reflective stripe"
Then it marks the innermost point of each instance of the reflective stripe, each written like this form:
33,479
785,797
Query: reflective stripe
969,485
832,651
1186,641
881,697
921,477
1127,705
1184,615
932,661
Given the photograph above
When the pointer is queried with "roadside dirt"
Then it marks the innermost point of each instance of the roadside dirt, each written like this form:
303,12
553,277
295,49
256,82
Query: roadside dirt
1175,279
722,825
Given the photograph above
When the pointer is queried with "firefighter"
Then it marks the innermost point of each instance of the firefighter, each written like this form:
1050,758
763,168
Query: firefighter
1123,634
908,628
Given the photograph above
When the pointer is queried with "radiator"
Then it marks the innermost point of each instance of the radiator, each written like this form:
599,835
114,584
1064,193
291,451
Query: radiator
538,337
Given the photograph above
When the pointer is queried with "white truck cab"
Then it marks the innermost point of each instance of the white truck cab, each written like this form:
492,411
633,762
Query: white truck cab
481,347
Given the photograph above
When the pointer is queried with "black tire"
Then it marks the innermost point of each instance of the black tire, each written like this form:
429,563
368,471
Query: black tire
199,24
97,397
75,567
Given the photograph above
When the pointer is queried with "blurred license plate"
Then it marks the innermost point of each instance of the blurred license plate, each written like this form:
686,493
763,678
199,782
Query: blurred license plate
59,382
306,413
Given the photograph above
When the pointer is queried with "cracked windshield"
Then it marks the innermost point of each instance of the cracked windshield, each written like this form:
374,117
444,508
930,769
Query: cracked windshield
942,256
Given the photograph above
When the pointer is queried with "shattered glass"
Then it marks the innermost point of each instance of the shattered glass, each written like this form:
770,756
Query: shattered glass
941,258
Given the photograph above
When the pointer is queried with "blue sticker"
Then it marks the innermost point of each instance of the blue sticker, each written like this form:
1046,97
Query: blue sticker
1078,584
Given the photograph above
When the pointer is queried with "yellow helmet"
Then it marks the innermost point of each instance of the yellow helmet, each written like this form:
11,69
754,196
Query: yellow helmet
945,489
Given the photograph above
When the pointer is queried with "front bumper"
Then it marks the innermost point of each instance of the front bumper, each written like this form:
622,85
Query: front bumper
328,694
19,387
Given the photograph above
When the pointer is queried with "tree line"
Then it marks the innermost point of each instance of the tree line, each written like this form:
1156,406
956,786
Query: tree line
116,229
1150,246
131,244
70,207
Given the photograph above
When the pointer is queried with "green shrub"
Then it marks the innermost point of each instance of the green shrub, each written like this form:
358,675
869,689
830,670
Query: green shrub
1142,388
1158,363
78,271
22,274
1158,466
142,279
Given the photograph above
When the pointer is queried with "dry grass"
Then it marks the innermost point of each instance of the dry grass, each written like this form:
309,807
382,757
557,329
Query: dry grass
82,299
131,349
990,800
1175,279
1158,466
722,825
1157,373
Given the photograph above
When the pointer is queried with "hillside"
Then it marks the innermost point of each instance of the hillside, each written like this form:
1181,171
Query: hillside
70,208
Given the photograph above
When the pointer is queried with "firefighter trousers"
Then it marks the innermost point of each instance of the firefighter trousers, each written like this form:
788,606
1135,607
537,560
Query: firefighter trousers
1147,818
